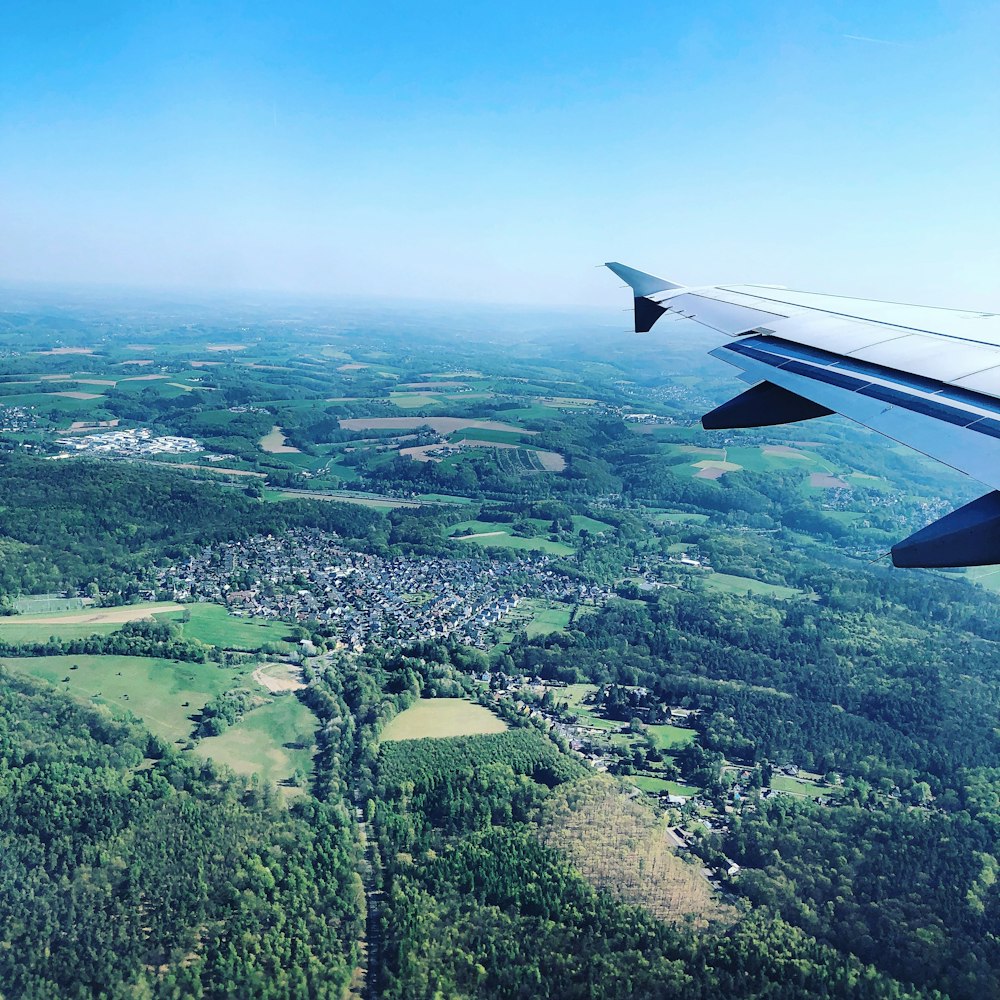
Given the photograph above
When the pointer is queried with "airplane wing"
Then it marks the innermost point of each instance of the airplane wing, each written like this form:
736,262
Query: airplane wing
927,378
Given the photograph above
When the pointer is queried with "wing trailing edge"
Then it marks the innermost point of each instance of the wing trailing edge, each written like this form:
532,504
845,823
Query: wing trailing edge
927,378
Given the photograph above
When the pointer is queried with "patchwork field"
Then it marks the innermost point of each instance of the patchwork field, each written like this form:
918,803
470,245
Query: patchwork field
441,717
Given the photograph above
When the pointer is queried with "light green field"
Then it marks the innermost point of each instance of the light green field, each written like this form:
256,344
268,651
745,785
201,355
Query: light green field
548,617
445,498
157,689
440,717
500,437
656,786
667,737
273,741
798,786
573,694
680,517
581,522
40,604
412,400
212,624
494,533
728,584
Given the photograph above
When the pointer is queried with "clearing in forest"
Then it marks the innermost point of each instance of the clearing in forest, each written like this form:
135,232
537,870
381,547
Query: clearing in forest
441,717
274,443
622,846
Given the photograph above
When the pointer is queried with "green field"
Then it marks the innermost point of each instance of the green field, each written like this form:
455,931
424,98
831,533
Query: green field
798,786
156,689
273,741
581,522
499,437
728,584
440,717
656,786
212,624
667,737
492,533
548,616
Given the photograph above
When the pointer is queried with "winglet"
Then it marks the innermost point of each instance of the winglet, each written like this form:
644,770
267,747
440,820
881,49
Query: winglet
640,282
647,312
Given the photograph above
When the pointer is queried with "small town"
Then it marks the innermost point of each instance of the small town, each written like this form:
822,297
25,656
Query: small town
306,575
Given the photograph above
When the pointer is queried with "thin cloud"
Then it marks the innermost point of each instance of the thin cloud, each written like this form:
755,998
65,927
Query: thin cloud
876,41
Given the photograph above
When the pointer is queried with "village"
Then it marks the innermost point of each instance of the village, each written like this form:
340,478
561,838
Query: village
306,576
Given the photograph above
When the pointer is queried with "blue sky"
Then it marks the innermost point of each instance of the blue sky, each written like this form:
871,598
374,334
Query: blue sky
496,153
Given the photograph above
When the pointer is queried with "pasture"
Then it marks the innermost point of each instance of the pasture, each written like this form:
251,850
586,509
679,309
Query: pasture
726,583
273,741
661,786
491,533
164,694
667,737
215,626
443,717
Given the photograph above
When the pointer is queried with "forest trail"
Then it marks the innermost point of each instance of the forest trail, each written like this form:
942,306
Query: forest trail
364,985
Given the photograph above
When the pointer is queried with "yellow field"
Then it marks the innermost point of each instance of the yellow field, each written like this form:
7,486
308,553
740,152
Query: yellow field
99,616
440,717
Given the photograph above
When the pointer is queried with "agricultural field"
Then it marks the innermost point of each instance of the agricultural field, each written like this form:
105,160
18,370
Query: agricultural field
76,625
443,717
441,425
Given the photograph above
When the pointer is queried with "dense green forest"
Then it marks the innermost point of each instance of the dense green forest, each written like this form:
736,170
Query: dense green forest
129,871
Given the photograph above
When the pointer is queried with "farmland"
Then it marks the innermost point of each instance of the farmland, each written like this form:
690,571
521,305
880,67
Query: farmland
442,717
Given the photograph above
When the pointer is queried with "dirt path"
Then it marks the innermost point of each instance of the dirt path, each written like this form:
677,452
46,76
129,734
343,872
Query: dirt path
101,616
290,682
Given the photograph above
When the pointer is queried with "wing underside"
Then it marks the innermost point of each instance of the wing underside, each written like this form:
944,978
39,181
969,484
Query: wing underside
927,378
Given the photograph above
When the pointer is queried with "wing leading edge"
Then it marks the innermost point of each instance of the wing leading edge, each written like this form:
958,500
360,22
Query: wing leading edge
927,378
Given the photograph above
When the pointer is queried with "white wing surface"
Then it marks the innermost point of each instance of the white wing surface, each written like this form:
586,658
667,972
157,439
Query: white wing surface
928,378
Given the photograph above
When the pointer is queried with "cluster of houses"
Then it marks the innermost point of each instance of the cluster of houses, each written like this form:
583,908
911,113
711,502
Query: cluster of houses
305,575
17,418
138,441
